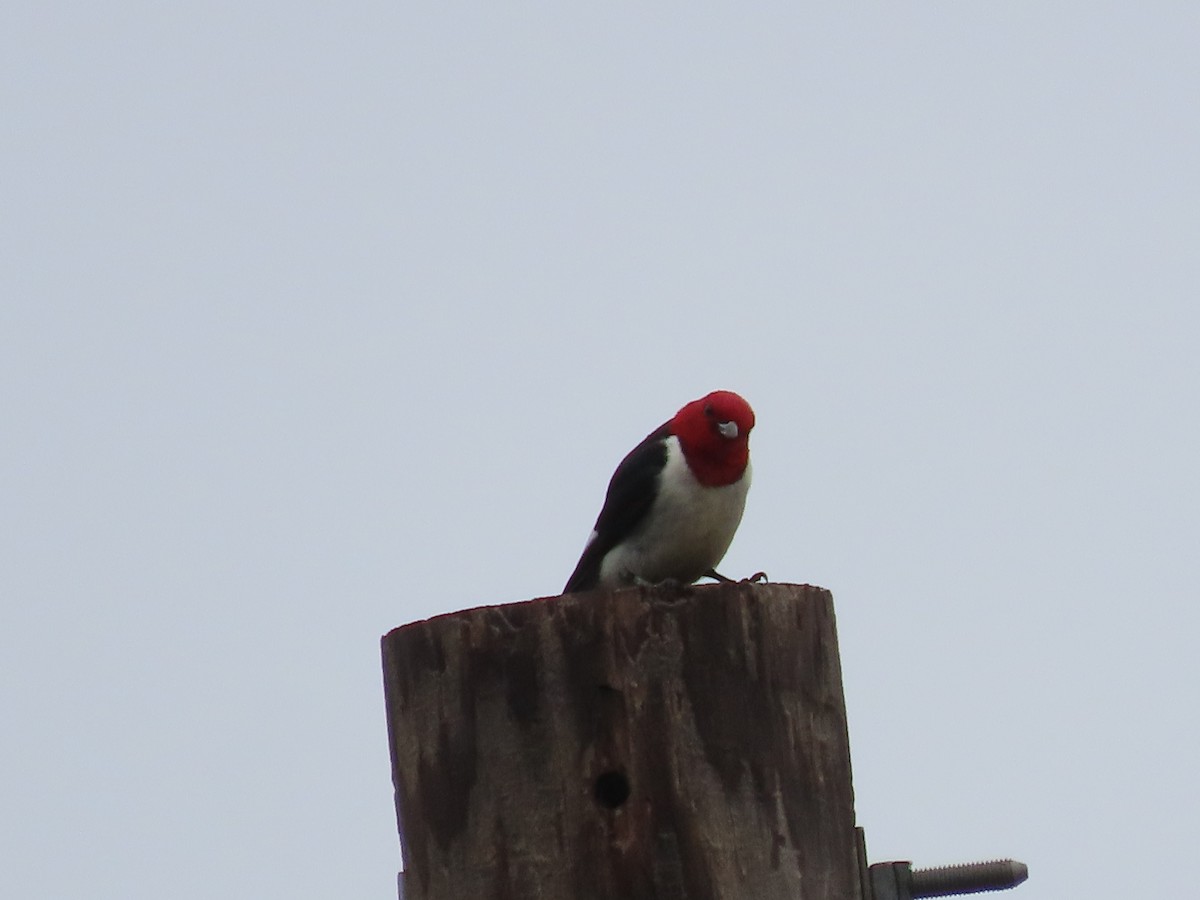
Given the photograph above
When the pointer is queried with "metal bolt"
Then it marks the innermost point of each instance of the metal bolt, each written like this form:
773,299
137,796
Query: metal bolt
969,878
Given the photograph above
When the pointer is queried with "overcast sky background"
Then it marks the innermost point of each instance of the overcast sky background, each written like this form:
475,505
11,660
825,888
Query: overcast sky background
318,319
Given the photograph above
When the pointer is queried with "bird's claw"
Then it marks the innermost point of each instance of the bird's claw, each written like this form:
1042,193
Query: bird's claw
756,578
670,585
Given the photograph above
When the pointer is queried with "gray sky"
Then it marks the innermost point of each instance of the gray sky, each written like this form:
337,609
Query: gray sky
319,319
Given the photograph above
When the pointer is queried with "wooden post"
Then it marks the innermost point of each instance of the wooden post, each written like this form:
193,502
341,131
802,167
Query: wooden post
642,744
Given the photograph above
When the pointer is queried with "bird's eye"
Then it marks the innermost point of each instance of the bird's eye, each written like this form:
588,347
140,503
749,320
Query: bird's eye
708,410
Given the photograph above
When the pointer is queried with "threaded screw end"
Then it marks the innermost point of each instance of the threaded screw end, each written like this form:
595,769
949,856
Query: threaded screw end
969,878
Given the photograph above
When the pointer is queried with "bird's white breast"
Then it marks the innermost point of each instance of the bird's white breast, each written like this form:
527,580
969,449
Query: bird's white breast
685,533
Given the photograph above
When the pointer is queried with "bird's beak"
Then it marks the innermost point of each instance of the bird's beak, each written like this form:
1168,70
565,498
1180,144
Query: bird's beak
728,429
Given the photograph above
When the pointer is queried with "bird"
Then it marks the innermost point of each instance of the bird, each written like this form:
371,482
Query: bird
674,502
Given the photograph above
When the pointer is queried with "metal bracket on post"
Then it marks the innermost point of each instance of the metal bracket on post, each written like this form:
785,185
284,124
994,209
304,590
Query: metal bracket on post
890,881
900,881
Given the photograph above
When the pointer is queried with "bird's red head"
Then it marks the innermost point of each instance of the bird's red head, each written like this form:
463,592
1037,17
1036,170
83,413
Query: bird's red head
714,433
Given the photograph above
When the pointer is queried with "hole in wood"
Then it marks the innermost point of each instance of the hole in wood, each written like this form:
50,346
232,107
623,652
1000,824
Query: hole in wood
612,789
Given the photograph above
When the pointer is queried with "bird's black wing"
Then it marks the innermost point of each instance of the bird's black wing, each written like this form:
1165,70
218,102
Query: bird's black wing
630,495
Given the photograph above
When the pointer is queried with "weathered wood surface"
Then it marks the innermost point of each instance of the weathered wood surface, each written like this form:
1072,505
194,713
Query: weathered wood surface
633,745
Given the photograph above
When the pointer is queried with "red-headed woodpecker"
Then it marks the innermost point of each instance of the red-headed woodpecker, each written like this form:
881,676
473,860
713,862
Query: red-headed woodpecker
675,501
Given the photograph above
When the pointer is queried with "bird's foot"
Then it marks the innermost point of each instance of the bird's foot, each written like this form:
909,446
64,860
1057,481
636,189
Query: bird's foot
756,578
667,585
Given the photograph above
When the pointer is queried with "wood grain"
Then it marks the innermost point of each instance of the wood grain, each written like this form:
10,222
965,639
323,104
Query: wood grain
642,744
